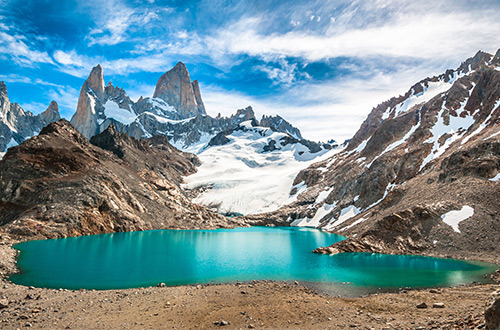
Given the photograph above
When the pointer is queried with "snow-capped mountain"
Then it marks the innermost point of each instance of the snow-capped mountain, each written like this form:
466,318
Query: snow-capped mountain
421,173
176,110
17,124
247,165
250,169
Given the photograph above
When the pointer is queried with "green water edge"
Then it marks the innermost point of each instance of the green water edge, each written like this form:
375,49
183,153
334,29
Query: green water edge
190,257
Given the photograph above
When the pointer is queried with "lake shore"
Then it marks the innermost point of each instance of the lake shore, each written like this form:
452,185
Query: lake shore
259,304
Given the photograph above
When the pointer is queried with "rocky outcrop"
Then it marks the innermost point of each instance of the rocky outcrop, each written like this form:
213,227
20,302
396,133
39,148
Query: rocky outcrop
17,124
415,159
175,88
58,184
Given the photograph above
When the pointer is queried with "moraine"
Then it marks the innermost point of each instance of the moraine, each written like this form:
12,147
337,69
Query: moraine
181,257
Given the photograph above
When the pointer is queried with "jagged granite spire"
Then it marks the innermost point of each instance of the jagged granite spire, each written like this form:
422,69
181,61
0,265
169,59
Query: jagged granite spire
175,88
92,92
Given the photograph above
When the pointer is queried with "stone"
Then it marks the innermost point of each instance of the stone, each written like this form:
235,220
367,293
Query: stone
161,285
438,305
221,323
4,303
251,326
492,315
422,305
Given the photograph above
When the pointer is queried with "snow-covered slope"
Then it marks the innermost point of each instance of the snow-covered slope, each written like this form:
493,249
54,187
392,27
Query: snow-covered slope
253,171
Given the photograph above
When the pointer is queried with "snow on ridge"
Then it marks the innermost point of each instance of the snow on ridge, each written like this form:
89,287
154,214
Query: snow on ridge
457,127
432,89
2,154
483,124
453,218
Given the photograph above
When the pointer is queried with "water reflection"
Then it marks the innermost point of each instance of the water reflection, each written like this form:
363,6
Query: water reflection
176,257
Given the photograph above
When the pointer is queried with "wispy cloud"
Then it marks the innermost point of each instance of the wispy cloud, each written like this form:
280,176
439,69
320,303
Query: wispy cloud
15,47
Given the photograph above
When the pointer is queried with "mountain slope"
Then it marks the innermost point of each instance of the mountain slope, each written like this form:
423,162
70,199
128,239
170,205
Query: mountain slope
58,184
17,124
420,175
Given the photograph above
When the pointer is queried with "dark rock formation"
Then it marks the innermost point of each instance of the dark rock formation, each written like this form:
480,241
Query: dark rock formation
58,184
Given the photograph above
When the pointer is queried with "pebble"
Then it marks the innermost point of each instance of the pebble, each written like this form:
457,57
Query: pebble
422,305
161,285
438,305
221,323
251,326
4,303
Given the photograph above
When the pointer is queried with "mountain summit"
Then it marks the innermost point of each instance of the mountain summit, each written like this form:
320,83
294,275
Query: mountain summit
175,88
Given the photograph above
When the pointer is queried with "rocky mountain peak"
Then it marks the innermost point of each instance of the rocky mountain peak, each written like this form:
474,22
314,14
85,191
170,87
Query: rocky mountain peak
95,81
175,88
52,113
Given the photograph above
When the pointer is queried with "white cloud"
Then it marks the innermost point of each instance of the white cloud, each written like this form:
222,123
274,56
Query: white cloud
14,47
427,36
321,111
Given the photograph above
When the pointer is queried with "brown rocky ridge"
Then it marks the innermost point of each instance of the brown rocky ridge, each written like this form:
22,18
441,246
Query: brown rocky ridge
58,184
410,164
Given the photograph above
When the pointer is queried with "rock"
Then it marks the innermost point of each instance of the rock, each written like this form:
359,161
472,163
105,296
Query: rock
161,285
438,305
422,305
251,326
296,282
4,303
492,315
221,323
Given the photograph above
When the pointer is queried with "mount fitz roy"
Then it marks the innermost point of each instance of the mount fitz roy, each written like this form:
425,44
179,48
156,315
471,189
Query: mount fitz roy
421,175
176,110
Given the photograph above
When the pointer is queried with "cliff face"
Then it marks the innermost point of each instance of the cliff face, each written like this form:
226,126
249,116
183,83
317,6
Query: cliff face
58,184
16,124
420,175
175,88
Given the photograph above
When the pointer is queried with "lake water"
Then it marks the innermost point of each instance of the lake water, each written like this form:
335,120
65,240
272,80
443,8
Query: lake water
175,257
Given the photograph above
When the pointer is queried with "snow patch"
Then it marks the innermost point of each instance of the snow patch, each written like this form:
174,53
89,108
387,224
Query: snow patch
323,195
360,220
345,214
315,220
496,178
453,218
456,128
2,154
124,116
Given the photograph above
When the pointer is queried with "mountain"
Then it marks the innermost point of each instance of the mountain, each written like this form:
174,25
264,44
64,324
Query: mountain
250,168
420,175
17,124
59,184
176,110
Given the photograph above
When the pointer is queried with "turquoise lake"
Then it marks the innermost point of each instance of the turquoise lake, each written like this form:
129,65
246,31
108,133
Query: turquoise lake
176,257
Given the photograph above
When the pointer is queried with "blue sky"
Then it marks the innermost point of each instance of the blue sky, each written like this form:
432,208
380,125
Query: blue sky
323,65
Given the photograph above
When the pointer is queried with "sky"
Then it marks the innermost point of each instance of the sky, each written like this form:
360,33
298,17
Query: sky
322,65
